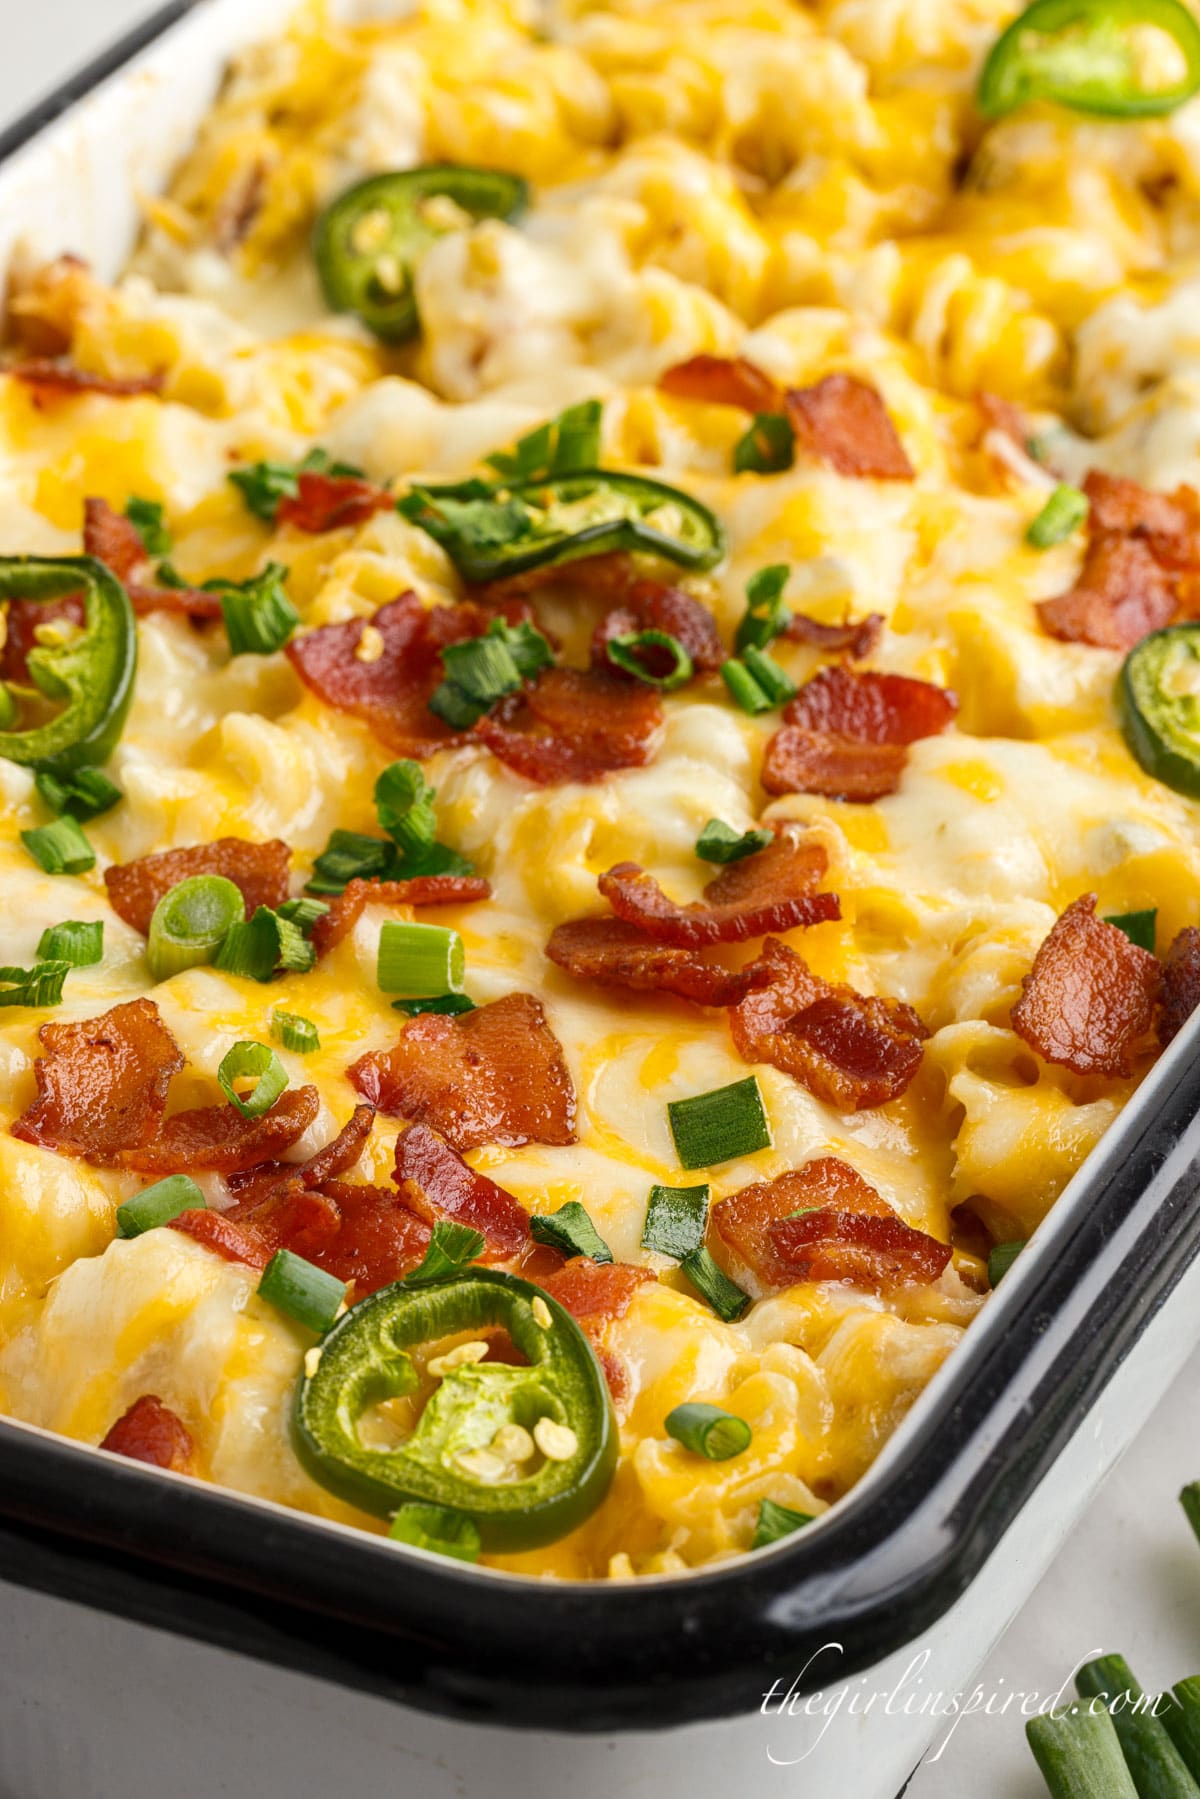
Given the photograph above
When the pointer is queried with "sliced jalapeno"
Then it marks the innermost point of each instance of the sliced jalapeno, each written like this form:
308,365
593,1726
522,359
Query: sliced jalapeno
90,672
525,1452
1158,694
489,532
1095,56
368,241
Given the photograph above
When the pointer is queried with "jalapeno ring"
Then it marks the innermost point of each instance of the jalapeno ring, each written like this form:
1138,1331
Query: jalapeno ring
92,672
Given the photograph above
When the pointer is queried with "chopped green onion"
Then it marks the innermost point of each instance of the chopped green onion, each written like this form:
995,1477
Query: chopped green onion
41,985
82,945
1079,1755
719,842
83,793
158,1205
768,446
675,1220
419,959
1139,927
303,913
302,1291
1189,1499
569,442
1151,1757
642,653
259,617
295,1033
450,1249
146,517
1001,1259
1182,1722
718,1126
351,856
60,848
1062,514
571,1230
248,1060
481,670
438,1528
767,613
449,1005
191,922
725,1297
744,690
764,670
265,944
708,1431
263,484
775,1522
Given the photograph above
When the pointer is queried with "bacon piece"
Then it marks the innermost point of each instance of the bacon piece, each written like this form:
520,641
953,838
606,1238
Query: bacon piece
850,1050
150,1432
258,870
1121,595
723,381
424,890
46,305
655,606
844,422
607,577
361,1234
844,1231
292,1217
21,621
573,725
227,1239
772,891
52,380
1181,984
389,692
999,414
102,1084
436,1183
329,502
1168,523
495,1075
615,954
1088,1003
845,733
219,1137
857,638
595,1292
113,540
799,761
339,1154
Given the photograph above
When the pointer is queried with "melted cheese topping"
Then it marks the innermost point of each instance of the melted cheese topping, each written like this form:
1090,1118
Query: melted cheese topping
811,189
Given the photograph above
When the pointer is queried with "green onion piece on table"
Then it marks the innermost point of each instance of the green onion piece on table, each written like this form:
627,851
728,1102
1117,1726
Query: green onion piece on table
1181,1717
1151,1757
1079,1754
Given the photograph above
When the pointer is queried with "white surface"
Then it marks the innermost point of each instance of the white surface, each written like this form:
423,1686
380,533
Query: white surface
1130,1576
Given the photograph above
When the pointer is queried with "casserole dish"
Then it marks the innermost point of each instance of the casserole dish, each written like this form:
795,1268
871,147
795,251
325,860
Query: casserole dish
891,1561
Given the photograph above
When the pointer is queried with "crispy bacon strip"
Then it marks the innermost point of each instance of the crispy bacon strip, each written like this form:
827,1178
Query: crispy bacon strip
850,1050
389,691
594,1292
21,621
723,381
102,1084
495,1075
573,725
226,1238
329,502
379,1239
435,1183
361,1234
615,954
845,733
857,638
258,870
1142,558
1181,984
339,1154
772,891
110,537
1088,1003
844,422
843,1231
655,606
424,890
150,1432
53,380
219,1137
